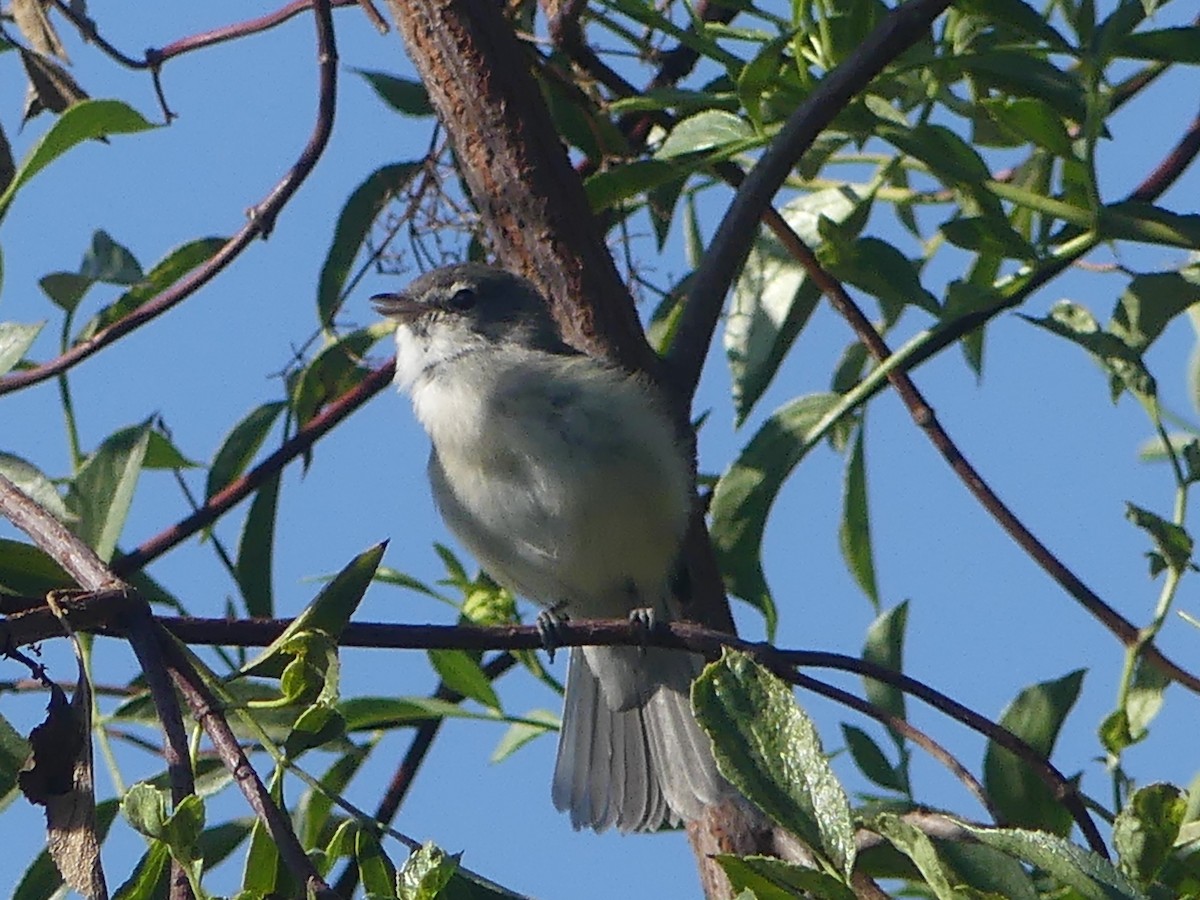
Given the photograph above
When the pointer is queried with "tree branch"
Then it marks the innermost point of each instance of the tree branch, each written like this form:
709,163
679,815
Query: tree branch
221,502
726,254
517,171
207,711
262,219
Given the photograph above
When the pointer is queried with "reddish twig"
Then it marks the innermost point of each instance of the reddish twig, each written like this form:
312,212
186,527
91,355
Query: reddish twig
218,504
617,632
1166,172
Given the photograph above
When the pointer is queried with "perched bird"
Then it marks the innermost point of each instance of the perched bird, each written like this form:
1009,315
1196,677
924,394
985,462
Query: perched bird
563,476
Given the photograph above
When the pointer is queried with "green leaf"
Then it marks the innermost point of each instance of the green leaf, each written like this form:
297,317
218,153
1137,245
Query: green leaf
66,289
872,761
1180,45
879,269
461,672
256,551
354,223
404,95
988,871
773,879
14,751
1122,362
149,875
1145,831
1136,221
1018,15
1150,303
521,733
337,368
712,129
264,873
990,234
425,873
917,846
1093,877
609,188
1172,543
102,492
162,454
1035,716
946,154
83,121
15,339
26,570
166,272
1022,74
769,750
1030,119
240,446
1144,697
885,647
375,870
30,480
145,808
761,76
772,297
109,262
854,533
744,495
328,613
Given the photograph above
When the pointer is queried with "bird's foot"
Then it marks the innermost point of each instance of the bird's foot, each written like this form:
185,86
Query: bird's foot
548,623
642,620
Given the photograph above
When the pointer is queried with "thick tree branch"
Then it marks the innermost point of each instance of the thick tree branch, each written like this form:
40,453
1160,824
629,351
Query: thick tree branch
520,179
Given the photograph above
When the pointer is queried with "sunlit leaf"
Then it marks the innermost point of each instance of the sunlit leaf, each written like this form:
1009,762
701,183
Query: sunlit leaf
768,748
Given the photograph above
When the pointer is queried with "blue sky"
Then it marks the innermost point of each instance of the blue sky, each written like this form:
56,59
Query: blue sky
984,621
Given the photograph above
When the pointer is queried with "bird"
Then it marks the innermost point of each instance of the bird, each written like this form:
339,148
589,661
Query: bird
563,476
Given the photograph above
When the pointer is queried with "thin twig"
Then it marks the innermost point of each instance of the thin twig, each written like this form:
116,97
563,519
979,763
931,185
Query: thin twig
918,737
262,218
410,763
207,711
1166,172
218,504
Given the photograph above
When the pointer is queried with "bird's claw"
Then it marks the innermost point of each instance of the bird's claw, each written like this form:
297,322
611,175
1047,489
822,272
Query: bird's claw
642,620
548,623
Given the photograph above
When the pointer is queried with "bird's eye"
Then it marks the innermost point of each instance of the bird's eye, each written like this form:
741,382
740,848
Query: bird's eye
463,299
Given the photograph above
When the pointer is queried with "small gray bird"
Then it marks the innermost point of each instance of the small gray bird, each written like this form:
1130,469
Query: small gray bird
564,478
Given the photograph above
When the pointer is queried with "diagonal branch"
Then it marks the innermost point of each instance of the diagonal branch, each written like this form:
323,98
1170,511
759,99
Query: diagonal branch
262,219
89,571
726,254
207,711
222,501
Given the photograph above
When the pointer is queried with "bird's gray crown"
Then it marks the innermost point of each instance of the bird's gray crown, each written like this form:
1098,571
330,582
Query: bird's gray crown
491,302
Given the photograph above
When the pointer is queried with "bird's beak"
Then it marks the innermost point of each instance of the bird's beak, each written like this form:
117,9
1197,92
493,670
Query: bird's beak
400,307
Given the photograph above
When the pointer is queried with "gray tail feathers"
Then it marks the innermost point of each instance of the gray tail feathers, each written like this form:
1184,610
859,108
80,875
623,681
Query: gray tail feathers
631,753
